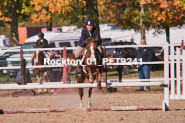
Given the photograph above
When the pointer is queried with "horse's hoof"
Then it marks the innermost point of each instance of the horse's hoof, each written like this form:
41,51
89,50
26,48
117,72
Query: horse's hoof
99,85
99,88
88,106
45,91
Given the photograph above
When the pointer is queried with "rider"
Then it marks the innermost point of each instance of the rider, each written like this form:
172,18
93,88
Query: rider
88,31
40,42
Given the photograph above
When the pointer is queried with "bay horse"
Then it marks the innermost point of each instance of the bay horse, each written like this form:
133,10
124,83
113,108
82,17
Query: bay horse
90,69
39,60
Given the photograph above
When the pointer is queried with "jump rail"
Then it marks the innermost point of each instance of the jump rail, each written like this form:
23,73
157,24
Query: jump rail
117,108
79,85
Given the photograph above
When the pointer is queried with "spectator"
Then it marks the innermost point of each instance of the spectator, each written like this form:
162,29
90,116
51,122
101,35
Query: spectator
144,70
18,78
120,67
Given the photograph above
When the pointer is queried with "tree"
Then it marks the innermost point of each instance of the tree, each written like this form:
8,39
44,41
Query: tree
44,9
74,17
102,10
90,10
167,14
10,12
143,15
130,14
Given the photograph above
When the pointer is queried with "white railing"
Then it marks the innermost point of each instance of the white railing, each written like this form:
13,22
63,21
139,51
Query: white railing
168,60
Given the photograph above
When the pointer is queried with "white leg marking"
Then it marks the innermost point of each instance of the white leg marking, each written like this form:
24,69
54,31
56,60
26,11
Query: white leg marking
89,102
81,104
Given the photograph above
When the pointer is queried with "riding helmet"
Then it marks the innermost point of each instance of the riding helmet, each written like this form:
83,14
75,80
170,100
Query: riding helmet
40,34
89,21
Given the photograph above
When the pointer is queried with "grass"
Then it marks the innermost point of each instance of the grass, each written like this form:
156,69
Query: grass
110,75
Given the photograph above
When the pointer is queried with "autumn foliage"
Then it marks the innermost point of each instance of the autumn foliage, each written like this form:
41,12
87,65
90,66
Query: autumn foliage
44,8
157,14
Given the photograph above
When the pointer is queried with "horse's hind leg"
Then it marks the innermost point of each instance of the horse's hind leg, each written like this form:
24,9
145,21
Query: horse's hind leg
89,98
45,80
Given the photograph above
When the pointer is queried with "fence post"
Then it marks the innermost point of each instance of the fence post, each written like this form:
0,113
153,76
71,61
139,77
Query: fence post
183,75
22,63
166,77
104,73
172,74
64,65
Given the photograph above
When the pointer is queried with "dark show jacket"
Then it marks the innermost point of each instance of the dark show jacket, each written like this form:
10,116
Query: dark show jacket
44,43
85,34
145,53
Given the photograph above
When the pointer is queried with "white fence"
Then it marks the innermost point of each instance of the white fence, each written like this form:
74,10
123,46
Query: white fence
177,88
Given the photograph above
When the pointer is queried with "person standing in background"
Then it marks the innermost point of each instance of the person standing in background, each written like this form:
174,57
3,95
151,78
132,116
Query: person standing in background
144,70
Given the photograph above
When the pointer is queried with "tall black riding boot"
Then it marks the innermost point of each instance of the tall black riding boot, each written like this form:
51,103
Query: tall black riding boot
80,69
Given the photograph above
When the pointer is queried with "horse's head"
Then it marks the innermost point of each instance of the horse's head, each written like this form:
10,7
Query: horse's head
38,54
91,46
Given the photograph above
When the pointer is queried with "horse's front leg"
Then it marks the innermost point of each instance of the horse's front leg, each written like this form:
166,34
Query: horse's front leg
45,80
99,79
89,98
90,75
